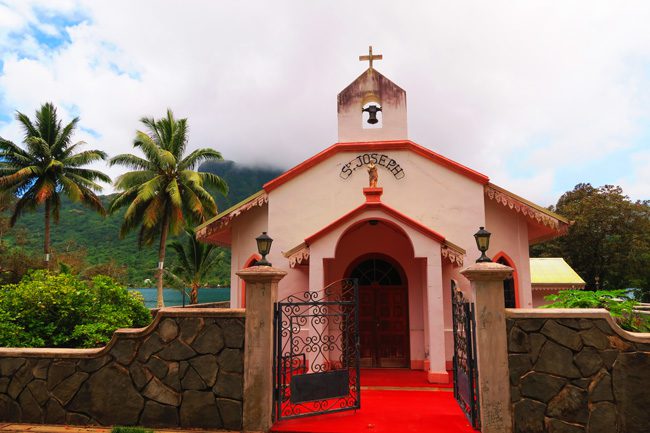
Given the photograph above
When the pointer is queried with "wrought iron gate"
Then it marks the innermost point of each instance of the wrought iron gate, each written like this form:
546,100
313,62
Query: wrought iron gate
465,371
317,351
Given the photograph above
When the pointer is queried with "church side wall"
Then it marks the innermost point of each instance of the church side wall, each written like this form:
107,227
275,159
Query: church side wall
510,236
245,229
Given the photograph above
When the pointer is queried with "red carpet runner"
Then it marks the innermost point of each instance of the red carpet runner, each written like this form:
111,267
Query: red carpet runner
390,410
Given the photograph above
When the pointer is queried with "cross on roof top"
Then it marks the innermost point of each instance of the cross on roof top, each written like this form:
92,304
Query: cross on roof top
370,57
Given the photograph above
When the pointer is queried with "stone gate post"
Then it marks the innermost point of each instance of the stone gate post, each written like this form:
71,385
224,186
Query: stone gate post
261,294
491,345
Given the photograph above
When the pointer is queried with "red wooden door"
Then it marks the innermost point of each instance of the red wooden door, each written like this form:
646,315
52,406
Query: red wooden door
392,333
383,315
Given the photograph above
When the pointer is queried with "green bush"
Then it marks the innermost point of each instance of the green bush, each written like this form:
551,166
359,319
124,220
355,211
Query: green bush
617,302
61,310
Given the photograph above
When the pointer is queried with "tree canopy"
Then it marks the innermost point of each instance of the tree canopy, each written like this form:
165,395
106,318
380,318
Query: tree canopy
608,243
49,164
164,193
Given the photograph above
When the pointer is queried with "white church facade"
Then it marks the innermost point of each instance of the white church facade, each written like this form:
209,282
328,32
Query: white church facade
405,238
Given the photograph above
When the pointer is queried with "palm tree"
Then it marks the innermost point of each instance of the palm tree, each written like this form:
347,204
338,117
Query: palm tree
194,262
46,166
164,191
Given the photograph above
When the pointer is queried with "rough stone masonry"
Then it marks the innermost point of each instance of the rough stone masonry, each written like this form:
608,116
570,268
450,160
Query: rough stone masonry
576,373
184,370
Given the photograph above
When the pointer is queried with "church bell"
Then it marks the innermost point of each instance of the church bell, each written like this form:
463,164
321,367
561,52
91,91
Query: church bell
372,111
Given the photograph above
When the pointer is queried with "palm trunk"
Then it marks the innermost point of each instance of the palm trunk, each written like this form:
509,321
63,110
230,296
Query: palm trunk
161,259
194,294
46,246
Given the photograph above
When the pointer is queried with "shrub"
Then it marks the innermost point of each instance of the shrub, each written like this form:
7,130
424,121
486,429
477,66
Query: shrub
617,302
61,310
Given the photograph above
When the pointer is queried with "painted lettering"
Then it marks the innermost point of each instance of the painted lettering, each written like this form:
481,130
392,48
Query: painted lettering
346,171
376,158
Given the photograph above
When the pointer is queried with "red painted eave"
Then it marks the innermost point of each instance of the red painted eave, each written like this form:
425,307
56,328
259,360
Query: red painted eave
370,146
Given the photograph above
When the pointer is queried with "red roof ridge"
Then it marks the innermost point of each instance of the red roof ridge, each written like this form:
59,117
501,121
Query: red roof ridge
371,146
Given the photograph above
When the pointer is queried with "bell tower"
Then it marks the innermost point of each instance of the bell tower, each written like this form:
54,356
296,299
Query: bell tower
372,108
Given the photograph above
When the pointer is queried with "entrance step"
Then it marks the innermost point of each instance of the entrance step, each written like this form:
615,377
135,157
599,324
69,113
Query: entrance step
399,378
388,412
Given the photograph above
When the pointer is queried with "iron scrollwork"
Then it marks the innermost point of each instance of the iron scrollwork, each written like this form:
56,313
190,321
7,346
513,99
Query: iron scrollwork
317,351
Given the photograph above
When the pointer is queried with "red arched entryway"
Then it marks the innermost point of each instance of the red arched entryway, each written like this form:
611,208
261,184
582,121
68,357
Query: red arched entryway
242,293
510,285
383,311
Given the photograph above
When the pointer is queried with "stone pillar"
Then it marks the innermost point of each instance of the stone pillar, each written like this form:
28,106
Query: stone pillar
261,294
491,345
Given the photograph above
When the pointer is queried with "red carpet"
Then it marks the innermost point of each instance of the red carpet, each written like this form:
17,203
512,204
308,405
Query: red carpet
399,378
388,412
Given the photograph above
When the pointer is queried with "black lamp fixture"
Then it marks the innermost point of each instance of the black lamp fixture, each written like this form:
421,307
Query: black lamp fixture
482,237
264,242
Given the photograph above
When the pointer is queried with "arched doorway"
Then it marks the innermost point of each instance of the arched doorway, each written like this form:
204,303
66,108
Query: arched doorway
383,312
509,284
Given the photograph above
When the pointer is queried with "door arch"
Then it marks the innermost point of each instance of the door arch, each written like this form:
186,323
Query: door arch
383,311
510,284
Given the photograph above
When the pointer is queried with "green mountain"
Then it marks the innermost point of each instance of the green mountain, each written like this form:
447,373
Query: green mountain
84,235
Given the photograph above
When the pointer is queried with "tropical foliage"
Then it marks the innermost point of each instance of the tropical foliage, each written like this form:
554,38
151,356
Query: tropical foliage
617,302
47,165
609,241
78,224
194,262
62,310
163,194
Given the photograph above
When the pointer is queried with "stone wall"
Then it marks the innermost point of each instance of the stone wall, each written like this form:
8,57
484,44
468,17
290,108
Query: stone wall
576,371
183,370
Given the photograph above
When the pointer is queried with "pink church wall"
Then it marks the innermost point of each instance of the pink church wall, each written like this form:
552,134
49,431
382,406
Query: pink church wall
510,235
244,231
441,199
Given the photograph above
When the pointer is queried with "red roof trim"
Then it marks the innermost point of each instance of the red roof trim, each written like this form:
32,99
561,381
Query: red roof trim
371,146
376,206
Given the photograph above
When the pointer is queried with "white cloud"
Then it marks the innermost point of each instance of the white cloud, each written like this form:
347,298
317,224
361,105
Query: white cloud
637,182
518,91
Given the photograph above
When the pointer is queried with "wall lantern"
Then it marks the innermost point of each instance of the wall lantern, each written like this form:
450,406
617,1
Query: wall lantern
483,243
264,242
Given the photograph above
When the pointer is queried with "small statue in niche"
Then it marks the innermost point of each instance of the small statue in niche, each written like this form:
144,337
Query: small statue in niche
372,174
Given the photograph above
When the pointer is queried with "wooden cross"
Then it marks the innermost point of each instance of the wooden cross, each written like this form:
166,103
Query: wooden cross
370,57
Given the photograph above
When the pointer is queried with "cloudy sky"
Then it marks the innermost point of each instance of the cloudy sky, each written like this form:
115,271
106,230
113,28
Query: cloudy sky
539,96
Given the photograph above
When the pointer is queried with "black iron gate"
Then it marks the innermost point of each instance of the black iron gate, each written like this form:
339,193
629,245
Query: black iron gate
465,371
317,351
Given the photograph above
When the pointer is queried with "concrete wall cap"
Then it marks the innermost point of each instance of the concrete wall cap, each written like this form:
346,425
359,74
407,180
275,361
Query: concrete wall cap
577,313
261,273
487,271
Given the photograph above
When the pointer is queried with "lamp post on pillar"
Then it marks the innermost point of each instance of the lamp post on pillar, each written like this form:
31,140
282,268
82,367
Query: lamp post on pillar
261,294
486,280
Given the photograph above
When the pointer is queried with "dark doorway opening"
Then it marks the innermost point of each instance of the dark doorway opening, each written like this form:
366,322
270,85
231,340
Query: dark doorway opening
508,287
383,313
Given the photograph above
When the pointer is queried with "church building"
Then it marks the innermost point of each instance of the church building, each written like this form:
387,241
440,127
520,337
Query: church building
396,215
